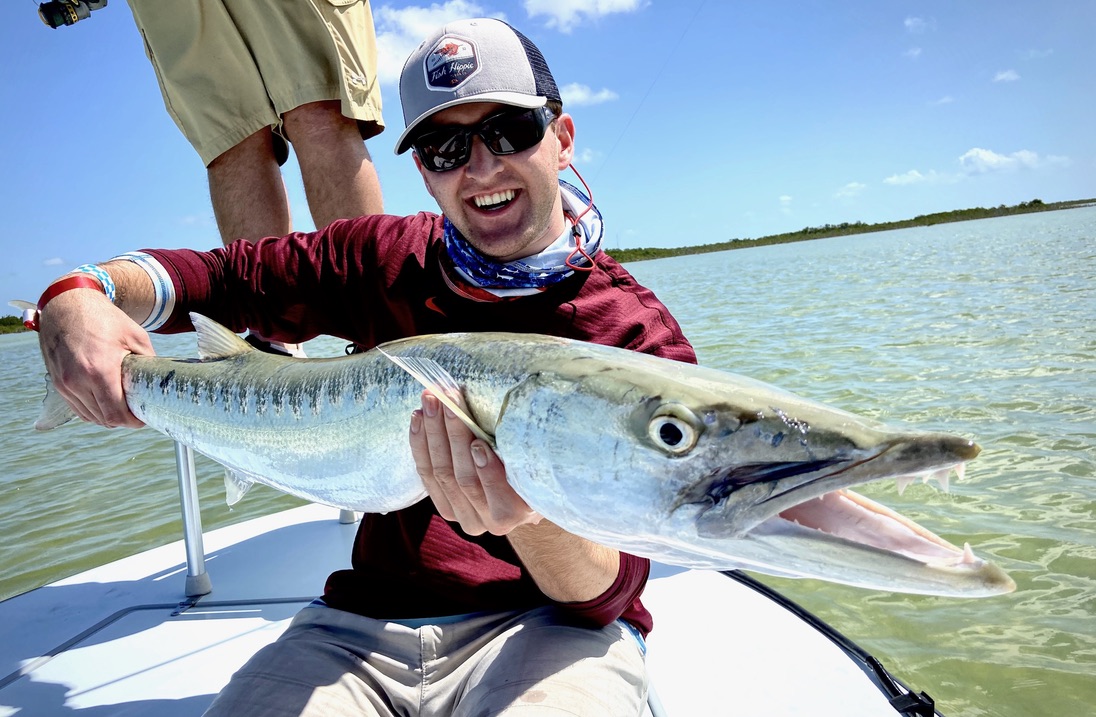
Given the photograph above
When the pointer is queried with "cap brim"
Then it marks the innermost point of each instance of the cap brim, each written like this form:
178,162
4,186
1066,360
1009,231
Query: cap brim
515,99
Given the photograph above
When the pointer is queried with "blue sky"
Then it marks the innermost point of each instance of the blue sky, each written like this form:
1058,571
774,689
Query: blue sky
697,122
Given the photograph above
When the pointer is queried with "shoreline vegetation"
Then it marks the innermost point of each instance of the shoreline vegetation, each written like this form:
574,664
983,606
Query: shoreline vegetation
11,325
844,229
14,324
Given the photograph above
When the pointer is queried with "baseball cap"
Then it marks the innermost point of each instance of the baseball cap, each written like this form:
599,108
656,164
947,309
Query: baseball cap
477,60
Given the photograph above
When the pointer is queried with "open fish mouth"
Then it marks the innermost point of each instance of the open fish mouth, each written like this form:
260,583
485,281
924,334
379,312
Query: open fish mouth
814,494
850,516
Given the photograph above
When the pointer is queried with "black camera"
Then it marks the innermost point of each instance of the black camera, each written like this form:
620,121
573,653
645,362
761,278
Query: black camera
67,12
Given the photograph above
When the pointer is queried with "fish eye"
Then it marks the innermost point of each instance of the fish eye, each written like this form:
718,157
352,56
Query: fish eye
674,429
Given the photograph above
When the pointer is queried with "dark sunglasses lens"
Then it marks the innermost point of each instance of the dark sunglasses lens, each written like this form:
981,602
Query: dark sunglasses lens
450,147
513,133
444,149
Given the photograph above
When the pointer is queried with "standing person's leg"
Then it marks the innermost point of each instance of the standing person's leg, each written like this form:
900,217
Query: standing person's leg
318,61
234,72
340,180
247,191
215,92
250,202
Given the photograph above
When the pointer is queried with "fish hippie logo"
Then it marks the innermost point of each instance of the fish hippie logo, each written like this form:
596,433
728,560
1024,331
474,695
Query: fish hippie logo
452,61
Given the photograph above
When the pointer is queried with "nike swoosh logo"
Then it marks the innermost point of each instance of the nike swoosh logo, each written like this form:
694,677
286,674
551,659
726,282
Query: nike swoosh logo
430,304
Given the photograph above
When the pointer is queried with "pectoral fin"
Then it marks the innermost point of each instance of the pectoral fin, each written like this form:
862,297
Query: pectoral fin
236,485
441,383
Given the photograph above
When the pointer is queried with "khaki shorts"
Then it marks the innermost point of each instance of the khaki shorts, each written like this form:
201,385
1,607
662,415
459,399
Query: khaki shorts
228,68
330,663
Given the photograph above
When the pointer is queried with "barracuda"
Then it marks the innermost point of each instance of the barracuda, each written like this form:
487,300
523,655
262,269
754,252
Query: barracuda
679,463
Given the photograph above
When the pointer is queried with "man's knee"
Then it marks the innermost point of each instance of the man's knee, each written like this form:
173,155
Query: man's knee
319,122
253,150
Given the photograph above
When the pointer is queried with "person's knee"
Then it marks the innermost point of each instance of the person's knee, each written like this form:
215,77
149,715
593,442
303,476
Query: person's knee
254,149
319,123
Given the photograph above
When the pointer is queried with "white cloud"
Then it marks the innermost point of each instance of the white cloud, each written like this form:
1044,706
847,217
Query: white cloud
55,261
1038,54
785,204
910,177
1006,76
979,161
982,161
399,31
565,14
916,25
913,53
584,157
850,190
945,100
575,94
915,177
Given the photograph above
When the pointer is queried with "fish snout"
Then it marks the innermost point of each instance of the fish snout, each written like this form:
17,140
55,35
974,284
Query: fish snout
928,451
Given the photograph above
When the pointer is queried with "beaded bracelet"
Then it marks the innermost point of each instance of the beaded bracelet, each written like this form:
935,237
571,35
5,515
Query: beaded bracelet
100,274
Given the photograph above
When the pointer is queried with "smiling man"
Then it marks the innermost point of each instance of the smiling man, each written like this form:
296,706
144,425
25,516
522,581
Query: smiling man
467,602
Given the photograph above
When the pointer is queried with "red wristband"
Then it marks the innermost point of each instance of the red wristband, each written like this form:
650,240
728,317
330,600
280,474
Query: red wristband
79,281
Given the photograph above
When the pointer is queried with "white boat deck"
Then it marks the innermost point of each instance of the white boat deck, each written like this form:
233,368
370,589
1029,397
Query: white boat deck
122,640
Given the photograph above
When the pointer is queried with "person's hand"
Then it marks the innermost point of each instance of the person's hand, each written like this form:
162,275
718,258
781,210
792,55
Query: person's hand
84,338
463,476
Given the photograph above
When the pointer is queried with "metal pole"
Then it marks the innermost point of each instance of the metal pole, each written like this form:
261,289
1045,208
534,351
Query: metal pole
197,579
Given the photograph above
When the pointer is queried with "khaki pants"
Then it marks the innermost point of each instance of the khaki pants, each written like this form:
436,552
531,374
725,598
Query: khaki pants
228,68
331,662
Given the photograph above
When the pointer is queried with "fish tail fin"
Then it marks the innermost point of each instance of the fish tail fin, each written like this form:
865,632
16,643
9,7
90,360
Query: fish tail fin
55,410
216,341
441,383
236,486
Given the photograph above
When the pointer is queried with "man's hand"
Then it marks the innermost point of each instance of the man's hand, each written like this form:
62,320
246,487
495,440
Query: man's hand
464,477
467,482
84,338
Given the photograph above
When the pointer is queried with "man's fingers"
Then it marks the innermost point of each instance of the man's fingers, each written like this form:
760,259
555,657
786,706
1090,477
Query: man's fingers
465,471
420,452
462,474
435,463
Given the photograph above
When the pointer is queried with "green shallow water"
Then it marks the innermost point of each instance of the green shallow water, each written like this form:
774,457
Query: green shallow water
982,328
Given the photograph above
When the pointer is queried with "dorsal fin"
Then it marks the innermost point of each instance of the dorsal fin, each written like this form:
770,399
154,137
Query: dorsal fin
216,341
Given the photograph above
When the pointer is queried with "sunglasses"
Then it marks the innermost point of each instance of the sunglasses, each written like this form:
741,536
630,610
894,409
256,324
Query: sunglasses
507,132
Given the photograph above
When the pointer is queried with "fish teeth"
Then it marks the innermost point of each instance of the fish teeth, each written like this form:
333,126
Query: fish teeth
942,476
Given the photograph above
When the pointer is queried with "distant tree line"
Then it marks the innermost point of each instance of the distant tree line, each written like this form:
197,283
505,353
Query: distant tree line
11,325
846,228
